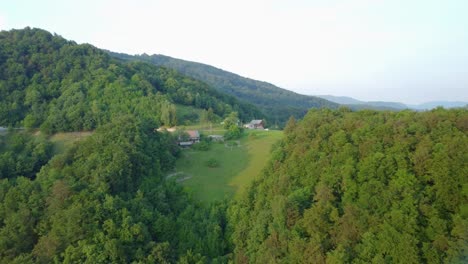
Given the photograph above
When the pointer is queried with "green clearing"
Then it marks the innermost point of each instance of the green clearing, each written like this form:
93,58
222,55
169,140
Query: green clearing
62,141
238,165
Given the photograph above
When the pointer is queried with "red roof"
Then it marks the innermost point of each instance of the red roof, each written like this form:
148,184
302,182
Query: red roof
193,133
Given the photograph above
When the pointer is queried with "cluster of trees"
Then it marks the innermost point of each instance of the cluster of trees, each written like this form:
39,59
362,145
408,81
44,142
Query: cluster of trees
49,82
22,154
360,187
276,104
232,124
105,201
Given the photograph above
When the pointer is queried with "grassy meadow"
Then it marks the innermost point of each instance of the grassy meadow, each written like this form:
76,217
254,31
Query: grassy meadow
236,166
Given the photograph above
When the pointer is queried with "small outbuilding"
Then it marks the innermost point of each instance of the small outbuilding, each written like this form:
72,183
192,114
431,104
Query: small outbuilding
186,143
217,138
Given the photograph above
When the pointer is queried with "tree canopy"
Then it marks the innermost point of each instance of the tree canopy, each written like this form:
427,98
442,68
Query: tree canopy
106,201
360,187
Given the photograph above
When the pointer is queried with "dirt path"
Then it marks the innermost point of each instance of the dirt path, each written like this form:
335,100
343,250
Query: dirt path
173,174
183,179
176,173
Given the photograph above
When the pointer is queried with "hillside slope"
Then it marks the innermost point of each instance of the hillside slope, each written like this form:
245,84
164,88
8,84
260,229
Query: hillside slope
276,103
49,82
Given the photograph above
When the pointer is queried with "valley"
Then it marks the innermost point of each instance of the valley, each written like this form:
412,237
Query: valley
149,159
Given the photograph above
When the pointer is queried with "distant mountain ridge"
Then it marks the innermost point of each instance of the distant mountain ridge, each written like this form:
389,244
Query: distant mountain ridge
276,103
434,104
381,105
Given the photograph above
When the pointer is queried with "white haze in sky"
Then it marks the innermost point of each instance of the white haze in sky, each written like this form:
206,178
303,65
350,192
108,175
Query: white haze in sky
394,50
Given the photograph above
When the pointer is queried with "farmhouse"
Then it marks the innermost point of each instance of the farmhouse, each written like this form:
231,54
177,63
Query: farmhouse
194,136
255,124
184,141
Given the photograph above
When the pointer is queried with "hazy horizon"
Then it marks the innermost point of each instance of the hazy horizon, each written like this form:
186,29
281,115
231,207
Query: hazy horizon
409,52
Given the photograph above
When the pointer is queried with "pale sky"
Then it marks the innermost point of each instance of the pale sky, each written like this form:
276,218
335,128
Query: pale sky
409,51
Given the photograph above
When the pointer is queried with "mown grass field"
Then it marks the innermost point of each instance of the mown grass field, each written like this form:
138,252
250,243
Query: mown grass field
238,165
258,149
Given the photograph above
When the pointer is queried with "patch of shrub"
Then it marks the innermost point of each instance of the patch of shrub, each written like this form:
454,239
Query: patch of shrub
203,146
253,135
212,163
232,144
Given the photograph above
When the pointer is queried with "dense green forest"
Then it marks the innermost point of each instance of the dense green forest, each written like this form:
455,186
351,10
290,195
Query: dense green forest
340,187
360,187
22,154
277,104
49,82
105,201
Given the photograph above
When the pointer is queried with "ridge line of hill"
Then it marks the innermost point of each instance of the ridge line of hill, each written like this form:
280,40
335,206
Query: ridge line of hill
276,103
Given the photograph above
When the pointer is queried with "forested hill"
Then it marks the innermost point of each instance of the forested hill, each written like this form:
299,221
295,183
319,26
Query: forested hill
276,103
49,82
360,187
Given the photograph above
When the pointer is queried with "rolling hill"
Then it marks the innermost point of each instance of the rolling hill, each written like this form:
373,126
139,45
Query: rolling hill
277,104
